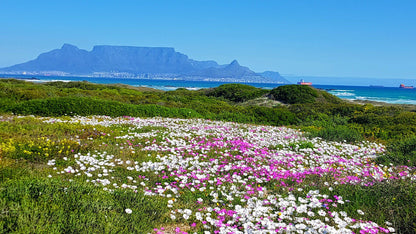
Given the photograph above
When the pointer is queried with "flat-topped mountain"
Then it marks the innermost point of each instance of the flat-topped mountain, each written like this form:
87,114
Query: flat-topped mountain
137,62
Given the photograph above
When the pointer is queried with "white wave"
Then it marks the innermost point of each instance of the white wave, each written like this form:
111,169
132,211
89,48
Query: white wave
342,93
66,81
194,88
45,81
404,101
387,100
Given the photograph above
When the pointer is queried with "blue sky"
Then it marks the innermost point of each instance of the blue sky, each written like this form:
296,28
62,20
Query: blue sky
349,38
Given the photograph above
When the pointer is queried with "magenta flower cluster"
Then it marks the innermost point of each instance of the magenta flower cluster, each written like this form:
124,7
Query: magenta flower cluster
243,178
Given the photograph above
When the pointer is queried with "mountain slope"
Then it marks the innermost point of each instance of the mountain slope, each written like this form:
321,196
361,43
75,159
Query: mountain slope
274,76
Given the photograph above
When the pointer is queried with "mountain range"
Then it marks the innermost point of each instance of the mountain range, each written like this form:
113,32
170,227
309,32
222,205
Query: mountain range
137,62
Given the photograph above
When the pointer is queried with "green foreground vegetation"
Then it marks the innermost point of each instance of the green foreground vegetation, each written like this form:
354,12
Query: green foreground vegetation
30,202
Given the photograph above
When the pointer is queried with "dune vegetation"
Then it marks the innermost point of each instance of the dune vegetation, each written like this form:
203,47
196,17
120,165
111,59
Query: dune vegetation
79,157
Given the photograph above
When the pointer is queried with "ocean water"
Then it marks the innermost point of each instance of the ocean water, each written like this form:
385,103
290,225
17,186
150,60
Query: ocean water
393,95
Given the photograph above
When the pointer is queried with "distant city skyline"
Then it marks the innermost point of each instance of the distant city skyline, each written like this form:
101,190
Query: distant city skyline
353,38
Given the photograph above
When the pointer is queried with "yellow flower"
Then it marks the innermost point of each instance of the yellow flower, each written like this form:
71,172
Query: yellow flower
8,147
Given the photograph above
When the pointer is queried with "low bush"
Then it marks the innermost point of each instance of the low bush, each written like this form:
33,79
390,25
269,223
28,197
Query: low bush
88,106
237,92
80,85
301,94
337,133
273,116
400,152
292,94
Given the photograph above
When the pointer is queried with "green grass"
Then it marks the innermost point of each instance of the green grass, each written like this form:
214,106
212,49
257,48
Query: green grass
401,152
392,201
39,205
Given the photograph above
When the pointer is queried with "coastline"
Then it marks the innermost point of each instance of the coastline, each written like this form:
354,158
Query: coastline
380,96
408,107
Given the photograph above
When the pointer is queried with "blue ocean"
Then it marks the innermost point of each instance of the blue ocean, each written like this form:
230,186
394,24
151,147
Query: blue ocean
394,95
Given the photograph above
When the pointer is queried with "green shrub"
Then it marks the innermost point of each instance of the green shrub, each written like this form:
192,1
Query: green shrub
13,81
338,133
301,94
344,109
234,117
302,145
292,94
81,85
258,115
88,106
236,92
273,116
401,152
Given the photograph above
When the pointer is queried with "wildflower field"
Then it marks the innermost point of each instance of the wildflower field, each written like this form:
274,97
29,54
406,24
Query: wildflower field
103,174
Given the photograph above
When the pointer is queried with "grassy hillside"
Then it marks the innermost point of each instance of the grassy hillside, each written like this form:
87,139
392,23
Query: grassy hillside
313,110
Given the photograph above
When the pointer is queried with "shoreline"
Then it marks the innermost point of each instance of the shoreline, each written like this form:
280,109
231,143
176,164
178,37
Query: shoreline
407,106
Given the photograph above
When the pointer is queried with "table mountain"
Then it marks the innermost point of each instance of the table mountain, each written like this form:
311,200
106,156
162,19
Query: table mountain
136,62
